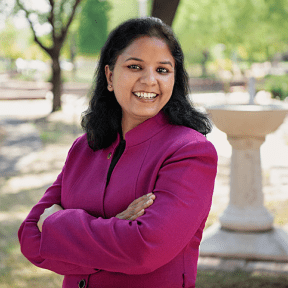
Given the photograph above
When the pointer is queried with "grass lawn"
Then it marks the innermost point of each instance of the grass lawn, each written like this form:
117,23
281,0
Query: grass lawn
239,279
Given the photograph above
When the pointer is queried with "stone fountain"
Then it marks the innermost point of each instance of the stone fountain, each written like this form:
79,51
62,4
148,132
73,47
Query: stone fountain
245,228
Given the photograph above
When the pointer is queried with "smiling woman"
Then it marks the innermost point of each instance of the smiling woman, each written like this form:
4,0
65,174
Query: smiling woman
142,80
130,205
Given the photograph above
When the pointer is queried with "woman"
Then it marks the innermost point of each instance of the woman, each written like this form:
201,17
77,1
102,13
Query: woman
142,136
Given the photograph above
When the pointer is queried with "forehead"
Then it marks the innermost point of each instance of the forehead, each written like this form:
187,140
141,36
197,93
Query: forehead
149,48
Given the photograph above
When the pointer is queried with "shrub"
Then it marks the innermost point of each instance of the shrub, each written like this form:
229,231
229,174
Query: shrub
276,85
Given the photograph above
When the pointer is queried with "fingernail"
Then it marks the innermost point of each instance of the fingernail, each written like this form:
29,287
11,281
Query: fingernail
149,194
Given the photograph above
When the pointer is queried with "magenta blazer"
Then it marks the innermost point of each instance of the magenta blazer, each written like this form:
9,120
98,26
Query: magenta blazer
92,248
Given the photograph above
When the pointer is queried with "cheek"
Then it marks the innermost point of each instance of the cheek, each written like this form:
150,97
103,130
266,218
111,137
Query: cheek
119,98
122,96
123,83
168,85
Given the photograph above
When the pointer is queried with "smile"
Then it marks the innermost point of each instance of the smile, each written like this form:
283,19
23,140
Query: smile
145,95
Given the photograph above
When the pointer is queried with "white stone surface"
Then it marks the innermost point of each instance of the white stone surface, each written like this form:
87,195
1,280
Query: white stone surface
271,245
246,219
246,211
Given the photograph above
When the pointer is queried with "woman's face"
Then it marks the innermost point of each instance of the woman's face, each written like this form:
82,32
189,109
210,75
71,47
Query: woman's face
142,80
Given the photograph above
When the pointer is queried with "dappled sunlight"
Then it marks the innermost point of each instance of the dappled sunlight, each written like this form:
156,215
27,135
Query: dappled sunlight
33,167
25,182
19,272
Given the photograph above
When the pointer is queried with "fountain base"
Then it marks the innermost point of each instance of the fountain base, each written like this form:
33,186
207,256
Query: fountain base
269,245
249,219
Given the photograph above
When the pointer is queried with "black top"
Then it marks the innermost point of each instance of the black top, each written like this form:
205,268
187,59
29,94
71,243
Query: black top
118,153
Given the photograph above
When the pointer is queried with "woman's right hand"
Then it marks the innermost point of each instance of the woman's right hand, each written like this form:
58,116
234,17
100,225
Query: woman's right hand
137,207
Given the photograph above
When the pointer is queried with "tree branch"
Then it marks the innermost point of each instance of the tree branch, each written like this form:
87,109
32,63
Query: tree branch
36,39
65,28
51,18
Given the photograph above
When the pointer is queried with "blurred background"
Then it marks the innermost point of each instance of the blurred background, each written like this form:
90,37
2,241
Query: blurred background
225,42
48,55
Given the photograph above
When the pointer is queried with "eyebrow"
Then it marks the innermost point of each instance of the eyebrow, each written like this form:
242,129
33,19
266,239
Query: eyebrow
167,62
138,59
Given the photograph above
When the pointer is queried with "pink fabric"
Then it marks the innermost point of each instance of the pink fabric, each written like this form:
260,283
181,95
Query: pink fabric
159,249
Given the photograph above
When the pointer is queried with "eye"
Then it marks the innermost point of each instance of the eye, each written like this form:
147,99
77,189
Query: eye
134,67
162,70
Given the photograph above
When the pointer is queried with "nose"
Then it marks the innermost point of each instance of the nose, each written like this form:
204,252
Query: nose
148,77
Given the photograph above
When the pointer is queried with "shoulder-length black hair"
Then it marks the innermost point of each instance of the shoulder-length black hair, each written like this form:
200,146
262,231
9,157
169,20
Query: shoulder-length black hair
102,120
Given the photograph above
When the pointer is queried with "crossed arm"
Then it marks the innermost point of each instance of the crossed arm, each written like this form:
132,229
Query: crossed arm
134,210
184,190
30,234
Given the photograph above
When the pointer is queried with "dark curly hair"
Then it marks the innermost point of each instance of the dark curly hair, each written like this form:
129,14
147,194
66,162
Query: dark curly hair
102,120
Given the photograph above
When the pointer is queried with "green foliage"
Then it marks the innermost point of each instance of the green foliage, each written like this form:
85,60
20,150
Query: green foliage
113,12
122,11
56,14
277,85
19,43
9,44
93,27
257,26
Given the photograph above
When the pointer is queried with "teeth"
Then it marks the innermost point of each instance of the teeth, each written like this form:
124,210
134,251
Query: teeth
145,95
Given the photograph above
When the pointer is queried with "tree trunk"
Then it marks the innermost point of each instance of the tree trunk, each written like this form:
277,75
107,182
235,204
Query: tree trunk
56,83
165,10
73,52
205,54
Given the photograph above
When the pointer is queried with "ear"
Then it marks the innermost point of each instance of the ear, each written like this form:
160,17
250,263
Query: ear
109,77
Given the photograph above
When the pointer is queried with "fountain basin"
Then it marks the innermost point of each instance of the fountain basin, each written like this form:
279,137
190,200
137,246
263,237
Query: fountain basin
247,120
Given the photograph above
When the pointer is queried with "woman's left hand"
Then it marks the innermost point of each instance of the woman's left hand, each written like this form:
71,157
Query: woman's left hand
47,212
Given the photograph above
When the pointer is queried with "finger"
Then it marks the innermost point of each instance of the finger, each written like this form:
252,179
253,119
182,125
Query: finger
132,213
148,203
120,216
136,206
140,213
152,196
141,199
140,202
143,204
125,215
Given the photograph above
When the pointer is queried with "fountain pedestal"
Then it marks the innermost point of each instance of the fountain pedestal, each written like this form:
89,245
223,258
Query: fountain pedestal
246,227
246,211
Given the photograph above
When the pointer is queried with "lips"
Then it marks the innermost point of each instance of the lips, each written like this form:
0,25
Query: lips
145,95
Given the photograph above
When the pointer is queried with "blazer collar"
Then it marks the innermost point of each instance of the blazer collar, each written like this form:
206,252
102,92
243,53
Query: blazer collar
146,130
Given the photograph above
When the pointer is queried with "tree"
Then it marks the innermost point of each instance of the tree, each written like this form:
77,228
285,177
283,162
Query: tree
59,15
256,27
122,11
93,27
165,11
88,31
9,44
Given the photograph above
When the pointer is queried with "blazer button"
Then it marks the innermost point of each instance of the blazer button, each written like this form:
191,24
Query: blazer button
109,155
82,283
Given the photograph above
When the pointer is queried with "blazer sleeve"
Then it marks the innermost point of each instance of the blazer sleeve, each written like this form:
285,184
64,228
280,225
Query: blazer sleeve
183,190
30,236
